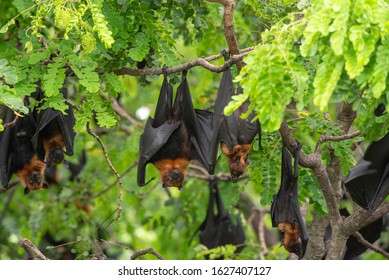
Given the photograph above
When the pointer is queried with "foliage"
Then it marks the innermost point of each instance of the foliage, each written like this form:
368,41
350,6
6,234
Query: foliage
309,57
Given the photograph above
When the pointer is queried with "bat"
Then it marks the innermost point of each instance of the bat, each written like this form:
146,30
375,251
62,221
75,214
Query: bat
218,229
285,210
177,134
368,181
234,134
17,155
52,175
54,135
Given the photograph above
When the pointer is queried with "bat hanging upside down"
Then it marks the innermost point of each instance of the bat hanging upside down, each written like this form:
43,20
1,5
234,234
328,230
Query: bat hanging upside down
177,134
234,134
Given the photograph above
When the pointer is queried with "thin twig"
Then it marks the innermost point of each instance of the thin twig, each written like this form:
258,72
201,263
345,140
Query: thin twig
119,178
202,173
31,250
367,244
122,112
11,123
204,62
326,138
146,251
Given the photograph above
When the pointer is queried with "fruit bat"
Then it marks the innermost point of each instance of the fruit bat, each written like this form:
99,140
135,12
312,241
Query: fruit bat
54,135
285,210
218,229
17,154
177,134
233,133
368,181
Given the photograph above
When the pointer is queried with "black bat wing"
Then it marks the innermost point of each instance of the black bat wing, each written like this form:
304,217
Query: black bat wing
198,122
220,129
367,182
43,119
281,201
219,229
66,123
6,139
164,104
150,142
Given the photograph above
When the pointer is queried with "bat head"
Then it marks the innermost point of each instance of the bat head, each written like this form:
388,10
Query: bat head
237,159
172,171
32,175
56,155
290,237
54,147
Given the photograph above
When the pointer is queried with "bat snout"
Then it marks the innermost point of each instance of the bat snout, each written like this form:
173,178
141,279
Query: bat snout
175,175
56,156
235,176
35,178
174,178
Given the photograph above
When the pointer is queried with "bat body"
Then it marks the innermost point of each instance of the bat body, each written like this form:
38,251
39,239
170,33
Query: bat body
368,181
18,155
285,210
234,134
218,229
177,134
54,135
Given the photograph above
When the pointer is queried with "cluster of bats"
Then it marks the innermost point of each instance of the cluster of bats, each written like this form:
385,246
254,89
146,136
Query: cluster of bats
35,142
179,133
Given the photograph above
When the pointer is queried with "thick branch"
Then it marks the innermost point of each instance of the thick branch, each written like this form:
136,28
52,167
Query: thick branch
31,250
204,62
146,251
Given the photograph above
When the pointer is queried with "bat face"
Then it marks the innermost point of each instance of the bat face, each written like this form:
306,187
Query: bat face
237,159
290,237
172,171
54,149
32,175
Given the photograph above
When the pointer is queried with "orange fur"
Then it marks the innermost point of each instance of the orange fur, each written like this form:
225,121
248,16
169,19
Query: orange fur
291,236
165,166
237,157
33,165
54,143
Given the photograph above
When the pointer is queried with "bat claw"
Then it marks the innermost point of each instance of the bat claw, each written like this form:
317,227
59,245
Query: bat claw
180,188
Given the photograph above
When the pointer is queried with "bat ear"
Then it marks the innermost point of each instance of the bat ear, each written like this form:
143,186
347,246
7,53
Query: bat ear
26,190
45,186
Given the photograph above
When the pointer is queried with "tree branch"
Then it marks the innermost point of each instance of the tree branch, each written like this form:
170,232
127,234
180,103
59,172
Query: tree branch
326,138
229,28
119,179
146,251
367,244
204,62
31,250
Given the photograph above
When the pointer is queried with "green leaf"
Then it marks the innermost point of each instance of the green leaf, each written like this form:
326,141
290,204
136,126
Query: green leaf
381,69
8,72
7,25
326,78
54,78
87,78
